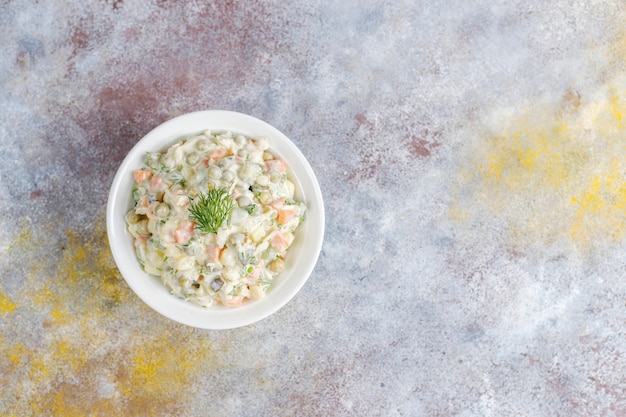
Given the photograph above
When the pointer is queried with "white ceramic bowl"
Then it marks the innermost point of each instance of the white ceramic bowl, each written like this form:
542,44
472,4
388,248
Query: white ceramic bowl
301,257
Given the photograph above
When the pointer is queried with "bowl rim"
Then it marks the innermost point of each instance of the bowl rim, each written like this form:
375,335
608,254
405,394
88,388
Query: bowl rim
150,289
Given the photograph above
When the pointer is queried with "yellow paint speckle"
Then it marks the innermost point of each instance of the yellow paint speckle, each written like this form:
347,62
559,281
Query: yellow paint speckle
159,371
601,207
6,305
88,358
553,174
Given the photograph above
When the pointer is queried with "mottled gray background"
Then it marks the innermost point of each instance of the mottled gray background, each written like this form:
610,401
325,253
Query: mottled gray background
472,159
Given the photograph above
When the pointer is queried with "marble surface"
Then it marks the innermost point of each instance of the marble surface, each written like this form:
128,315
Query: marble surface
472,157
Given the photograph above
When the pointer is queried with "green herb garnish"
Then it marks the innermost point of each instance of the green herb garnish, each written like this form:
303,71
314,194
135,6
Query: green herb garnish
210,210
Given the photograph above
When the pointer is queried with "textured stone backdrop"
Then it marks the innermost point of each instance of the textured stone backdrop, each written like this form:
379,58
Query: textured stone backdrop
472,157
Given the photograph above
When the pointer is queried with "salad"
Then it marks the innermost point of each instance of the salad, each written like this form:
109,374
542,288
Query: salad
214,217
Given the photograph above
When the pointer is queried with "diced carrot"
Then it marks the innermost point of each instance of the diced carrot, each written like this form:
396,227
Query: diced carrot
217,154
141,240
142,174
213,252
279,242
285,215
277,204
233,302
182,236
256,272
150,210
183,233
277,165
156,182
188,225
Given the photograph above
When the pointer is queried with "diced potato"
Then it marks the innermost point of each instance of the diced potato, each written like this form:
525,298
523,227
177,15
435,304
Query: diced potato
256,292
229,257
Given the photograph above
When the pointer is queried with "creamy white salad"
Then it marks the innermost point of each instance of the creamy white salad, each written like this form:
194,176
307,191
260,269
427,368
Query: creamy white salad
214,217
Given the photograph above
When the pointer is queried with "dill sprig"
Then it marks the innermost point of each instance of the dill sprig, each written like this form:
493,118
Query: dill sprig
210,210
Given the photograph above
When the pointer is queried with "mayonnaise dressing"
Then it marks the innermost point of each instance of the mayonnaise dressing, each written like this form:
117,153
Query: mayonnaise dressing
242,259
